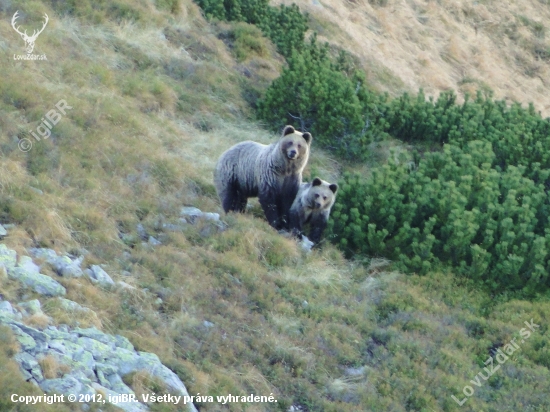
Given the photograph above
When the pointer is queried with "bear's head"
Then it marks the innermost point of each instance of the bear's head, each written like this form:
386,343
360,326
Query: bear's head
321,195
295,145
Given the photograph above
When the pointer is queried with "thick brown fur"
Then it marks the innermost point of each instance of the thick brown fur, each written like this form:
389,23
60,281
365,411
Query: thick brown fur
312,206
273,173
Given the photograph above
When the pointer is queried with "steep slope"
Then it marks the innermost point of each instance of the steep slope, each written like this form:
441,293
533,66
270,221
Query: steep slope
157,93
440,45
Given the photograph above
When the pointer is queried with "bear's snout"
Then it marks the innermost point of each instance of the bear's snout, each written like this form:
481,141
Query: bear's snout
292,154
318,205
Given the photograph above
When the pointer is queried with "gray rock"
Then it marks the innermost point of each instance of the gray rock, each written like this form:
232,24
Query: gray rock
306,244
211,216
99,276
71,306
153,242
169,227
57,345
102,379
26,374
32,307
124,285
34,333
208,324
95,334
3,232
97,349
58,333
193,214
41,347
5,307
42,284
142,233
25,340
117,384
35,190
37,374
122,342
67,385
44,253
125,406
355,371
25,262
105,368
8,257
85,359
26,360
63,265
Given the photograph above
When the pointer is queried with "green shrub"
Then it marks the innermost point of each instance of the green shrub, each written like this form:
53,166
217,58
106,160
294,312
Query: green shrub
454,208
285,26
315,94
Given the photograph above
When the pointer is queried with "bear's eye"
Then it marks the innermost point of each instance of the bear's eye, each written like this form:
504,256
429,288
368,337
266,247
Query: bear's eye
324,198
299,146
316,195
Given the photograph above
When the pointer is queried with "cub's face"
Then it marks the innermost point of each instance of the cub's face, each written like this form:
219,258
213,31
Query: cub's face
321,194
295,145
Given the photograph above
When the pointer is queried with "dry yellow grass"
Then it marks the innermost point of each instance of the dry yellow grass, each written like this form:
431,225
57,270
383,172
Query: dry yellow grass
444,45
51,368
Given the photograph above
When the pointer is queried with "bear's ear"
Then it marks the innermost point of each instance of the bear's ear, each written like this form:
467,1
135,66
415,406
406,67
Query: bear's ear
288,130
307,137
316,182
333,187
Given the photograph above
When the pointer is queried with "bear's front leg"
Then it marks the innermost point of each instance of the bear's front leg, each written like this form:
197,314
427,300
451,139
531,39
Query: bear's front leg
295,224
269,205
289,190
318,225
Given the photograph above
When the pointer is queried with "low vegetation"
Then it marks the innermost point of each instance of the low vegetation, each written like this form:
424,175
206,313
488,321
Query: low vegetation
158,93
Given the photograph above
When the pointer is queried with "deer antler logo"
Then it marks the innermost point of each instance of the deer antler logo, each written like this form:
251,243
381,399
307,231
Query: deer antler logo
29,40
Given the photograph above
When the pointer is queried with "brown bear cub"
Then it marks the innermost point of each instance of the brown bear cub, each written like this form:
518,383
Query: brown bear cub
312,206
273,173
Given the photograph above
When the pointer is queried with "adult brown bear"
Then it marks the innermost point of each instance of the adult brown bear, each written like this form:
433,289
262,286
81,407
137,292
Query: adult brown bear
272,172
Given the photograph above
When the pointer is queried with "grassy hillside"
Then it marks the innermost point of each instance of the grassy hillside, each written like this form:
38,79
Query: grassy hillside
446,44
157,94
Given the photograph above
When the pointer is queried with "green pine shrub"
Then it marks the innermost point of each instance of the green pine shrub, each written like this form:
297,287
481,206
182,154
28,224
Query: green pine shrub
317,94
285,26
455,208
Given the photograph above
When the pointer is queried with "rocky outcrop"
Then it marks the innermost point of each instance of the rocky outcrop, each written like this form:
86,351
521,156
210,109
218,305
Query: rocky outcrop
94,361
89,361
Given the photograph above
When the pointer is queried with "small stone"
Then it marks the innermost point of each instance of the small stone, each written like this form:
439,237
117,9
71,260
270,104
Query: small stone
154,242
3,231
124,343
306,244
40,283
6,307
32,307
71,306
8,257
142,233
208,324
26,360
124,285
26,341
99,276
192,212
35,190
26,263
